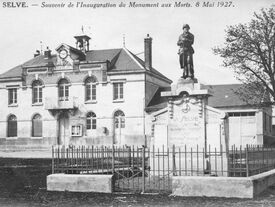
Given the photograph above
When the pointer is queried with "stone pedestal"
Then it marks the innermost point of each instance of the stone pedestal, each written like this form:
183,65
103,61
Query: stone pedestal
187,123
186,110
186,83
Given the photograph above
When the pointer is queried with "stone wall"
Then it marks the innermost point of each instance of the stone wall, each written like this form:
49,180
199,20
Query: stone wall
238,187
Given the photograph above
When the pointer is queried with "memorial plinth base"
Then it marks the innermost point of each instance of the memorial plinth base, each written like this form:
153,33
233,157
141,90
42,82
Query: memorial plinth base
186,113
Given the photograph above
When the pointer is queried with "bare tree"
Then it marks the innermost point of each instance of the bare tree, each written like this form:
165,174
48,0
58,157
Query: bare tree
249,50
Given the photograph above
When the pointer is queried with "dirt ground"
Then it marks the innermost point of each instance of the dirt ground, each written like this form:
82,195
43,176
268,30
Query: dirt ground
23,183
44,198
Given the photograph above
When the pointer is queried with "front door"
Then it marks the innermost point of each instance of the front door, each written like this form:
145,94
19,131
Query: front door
242,129
119,124
64,130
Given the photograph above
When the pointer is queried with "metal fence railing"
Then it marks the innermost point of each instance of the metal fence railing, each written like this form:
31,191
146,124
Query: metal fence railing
151,169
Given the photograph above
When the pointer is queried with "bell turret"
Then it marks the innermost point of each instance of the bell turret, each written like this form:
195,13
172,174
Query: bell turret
82,42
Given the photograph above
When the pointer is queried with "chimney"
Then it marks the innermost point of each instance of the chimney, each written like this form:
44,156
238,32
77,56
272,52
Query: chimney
47,53
148,52
37,53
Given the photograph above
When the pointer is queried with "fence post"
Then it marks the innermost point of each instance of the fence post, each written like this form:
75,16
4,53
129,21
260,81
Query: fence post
58,160
263,168
52,159
143,169
113,160
129,156
174,161
247,165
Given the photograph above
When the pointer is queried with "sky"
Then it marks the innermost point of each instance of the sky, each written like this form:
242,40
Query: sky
23,30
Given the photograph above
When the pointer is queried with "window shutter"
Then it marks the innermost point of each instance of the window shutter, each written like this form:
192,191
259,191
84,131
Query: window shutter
12,128
121,90
88,123
93,92
10,96
66,91
37,128
88,92
40,95
15,95
60,91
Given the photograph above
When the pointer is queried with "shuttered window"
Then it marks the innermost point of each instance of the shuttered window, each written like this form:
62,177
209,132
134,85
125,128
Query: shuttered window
63,90
119,119
91,121
12,126
37,126
12,96
90,89
37,92
118,91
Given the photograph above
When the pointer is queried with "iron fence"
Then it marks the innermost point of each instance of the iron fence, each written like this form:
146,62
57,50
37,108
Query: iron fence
151,169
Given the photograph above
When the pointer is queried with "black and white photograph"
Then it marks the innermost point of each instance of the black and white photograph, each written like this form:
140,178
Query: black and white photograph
137,103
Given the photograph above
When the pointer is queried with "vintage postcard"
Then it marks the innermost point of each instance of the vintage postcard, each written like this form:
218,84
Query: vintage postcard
172,98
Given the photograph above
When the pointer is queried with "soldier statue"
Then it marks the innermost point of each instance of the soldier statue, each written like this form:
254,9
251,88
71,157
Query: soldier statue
186,51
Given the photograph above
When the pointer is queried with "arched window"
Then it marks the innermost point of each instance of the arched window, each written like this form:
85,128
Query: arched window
91,121
12,126
90,89
63,90
119,119
37,125
37,92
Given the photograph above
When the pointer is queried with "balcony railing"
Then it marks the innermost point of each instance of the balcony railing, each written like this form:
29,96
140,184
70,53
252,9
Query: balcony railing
55,103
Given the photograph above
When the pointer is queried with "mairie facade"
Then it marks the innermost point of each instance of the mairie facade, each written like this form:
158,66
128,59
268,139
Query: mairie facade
78,96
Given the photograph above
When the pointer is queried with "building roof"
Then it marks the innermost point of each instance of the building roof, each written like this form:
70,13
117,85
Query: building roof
225,95
38,61
121,60
222,96
153,70
158,102
102,55
14,72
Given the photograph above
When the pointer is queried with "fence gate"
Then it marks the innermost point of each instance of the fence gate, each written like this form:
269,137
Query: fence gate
128,169
142,170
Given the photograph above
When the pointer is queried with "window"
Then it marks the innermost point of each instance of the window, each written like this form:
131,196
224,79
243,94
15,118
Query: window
91,121
118,91
63,90
37,92
12,96
37,126
90,89
241,113
77,130
12,126
119,119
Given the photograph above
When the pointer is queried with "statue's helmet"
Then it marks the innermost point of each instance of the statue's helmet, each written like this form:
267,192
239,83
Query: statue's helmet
185,26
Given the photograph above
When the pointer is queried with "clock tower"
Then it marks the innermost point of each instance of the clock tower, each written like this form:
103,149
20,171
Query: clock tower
82,42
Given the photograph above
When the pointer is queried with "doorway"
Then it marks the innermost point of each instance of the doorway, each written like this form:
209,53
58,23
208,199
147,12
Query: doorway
63,129
119,125
242,128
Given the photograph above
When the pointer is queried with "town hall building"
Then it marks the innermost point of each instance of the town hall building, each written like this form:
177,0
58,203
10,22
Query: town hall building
78,96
